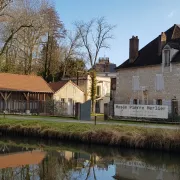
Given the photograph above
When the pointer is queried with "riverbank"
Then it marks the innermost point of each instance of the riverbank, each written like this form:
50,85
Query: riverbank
112,135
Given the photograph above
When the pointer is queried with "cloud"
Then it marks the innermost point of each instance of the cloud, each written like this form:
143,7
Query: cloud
171,14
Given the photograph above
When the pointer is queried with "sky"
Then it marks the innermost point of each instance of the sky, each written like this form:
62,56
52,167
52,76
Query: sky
143,18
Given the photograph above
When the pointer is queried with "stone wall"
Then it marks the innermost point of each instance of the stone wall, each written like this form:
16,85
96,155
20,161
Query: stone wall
147,76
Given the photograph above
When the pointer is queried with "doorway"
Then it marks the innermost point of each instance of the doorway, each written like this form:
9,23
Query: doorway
70,107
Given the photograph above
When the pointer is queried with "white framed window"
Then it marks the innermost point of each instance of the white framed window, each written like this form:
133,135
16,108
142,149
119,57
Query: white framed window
63,100
135,83
159,82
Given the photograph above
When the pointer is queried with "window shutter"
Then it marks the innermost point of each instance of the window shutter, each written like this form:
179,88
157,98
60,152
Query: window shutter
138,102
137,82
164,102
133,83
131,101
161,81
154,101
157,82
168,103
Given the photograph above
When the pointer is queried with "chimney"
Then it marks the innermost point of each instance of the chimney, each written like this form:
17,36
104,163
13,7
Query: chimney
133,48
161,42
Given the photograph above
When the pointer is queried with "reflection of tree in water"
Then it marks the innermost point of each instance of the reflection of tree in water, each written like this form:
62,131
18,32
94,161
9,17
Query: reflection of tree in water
91,166
82,164
55,166
4,148
20,173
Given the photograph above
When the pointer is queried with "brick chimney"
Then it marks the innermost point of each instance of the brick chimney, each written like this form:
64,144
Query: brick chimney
133,48
161,42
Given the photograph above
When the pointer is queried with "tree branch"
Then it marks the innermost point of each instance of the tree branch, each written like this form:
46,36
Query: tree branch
11,36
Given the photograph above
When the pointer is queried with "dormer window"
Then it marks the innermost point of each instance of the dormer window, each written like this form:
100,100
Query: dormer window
166,58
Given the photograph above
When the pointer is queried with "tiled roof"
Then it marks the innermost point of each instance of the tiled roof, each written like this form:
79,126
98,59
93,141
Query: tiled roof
24,83
148,55
58,85
55,86
105,67
21,159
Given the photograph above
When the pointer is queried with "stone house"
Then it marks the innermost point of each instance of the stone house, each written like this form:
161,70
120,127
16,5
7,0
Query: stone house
103,89
66,94
151,75
105,68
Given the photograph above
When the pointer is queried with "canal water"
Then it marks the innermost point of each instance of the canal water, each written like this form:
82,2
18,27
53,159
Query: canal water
24,159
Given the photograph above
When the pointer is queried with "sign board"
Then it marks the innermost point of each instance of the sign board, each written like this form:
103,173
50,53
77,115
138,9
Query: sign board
144,111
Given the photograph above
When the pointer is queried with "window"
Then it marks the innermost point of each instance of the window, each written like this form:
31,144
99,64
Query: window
159,102
62,100
98,90
159,82
135,83
166,58
135,101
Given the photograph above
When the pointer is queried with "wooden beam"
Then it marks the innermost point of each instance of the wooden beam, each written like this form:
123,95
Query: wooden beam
2,95
44,97
26,96
7,96
27,100
44,103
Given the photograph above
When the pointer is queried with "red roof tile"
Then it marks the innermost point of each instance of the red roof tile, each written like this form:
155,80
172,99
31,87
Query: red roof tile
26,83
21,159
55,86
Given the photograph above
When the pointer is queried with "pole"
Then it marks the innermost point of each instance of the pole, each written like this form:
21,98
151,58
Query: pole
77,78
95,114
4,113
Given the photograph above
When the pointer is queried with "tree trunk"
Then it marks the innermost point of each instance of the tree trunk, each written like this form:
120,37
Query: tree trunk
93,90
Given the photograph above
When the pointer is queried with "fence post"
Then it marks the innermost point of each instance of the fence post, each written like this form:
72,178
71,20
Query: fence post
95,119
4,113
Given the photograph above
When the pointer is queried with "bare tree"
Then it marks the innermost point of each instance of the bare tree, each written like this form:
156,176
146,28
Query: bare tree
94,36
26,30
4,4
69,51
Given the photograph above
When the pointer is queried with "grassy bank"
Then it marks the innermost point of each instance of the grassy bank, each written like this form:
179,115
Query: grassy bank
125,136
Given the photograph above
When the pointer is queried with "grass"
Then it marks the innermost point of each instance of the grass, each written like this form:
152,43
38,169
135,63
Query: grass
133,137
100,118
41,116
97,114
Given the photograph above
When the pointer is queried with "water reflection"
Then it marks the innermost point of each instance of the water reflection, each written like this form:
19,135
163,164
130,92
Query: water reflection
33,160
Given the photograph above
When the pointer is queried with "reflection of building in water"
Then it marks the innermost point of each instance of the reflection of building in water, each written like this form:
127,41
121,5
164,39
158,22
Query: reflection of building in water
82,159
21,159
141,171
